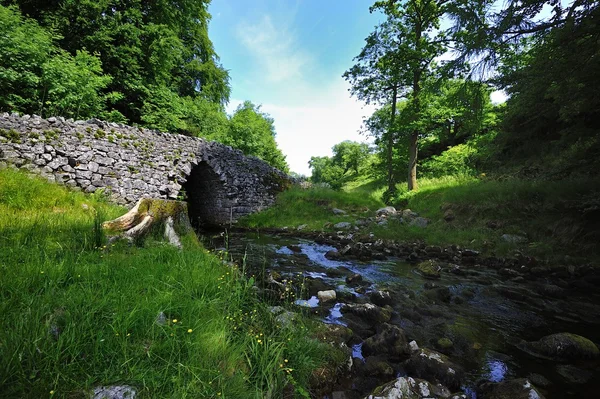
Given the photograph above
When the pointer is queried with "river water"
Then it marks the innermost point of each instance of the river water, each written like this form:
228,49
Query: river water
478,317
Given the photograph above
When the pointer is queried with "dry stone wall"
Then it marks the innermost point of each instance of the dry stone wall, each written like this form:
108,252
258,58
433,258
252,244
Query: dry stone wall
128,163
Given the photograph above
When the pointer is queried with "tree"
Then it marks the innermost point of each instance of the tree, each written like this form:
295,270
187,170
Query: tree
146,46
252,131
554,86
350,155
38,77
399,56
377,78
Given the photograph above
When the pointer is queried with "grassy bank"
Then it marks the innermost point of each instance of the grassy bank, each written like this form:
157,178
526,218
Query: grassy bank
76,314
555,218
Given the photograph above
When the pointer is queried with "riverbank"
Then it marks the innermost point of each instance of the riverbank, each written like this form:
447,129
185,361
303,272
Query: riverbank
553,221
79,315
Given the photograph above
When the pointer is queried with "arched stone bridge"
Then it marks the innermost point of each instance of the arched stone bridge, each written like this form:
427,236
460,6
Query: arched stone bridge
220,183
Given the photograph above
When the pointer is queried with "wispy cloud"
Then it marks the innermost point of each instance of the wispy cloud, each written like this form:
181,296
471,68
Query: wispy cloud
274,48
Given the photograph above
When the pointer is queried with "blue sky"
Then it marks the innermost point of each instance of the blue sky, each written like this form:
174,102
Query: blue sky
289,56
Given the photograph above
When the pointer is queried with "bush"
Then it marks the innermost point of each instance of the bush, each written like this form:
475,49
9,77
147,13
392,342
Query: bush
457,160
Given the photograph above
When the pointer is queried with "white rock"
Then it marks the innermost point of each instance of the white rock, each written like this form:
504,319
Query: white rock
325,296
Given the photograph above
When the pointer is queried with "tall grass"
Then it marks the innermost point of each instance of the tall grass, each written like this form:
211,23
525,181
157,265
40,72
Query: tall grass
76,313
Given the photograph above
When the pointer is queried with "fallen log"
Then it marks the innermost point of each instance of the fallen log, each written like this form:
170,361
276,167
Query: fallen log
147,214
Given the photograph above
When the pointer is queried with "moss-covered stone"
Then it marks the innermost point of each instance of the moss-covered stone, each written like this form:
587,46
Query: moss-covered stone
445,343
429,269
563,346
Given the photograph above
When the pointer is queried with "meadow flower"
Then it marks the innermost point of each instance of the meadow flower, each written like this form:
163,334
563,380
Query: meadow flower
174,320
190,330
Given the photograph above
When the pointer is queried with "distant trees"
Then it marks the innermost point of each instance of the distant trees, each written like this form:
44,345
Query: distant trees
253,132
348,161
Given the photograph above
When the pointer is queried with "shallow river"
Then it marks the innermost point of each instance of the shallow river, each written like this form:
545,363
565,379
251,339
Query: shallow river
481,315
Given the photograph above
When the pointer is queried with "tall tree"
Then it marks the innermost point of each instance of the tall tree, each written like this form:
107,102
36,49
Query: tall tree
400,60
378,76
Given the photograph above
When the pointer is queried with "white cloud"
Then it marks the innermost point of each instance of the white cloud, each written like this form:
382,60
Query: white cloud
274,48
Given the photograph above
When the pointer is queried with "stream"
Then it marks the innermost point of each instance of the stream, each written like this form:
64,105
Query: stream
476,316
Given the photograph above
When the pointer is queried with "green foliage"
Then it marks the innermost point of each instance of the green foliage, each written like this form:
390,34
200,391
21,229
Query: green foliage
252,131
348,160
142,45
12,135
37,77
553,108
457,160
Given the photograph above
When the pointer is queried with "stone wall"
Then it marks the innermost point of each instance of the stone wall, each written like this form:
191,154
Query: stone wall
129,163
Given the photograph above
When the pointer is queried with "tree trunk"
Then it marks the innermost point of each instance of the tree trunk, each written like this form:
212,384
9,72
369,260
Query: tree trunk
414,137
413,151
150,212
390,148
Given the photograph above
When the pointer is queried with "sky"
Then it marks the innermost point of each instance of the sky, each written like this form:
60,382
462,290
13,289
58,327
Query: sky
289,57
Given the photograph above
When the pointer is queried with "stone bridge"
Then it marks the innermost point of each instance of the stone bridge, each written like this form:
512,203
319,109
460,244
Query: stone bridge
220,183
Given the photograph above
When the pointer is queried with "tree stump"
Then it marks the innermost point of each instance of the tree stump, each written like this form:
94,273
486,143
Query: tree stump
150,212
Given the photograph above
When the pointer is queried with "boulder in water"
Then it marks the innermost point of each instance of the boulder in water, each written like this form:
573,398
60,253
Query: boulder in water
429,269
389,339
369,312
325,296
572,374
409,388
562,346
381,298
511,389
434,366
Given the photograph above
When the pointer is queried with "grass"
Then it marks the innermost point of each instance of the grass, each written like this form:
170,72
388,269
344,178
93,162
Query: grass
313,208
76,314
549,213
554,216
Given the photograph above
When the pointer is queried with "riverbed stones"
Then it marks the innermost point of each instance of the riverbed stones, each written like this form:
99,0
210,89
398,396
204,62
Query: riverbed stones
389,340
434,366
429,269
572,374
562,346
369,312
326,296
520,388
388,211
354,279
513,238
342,225
381,298
409,388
